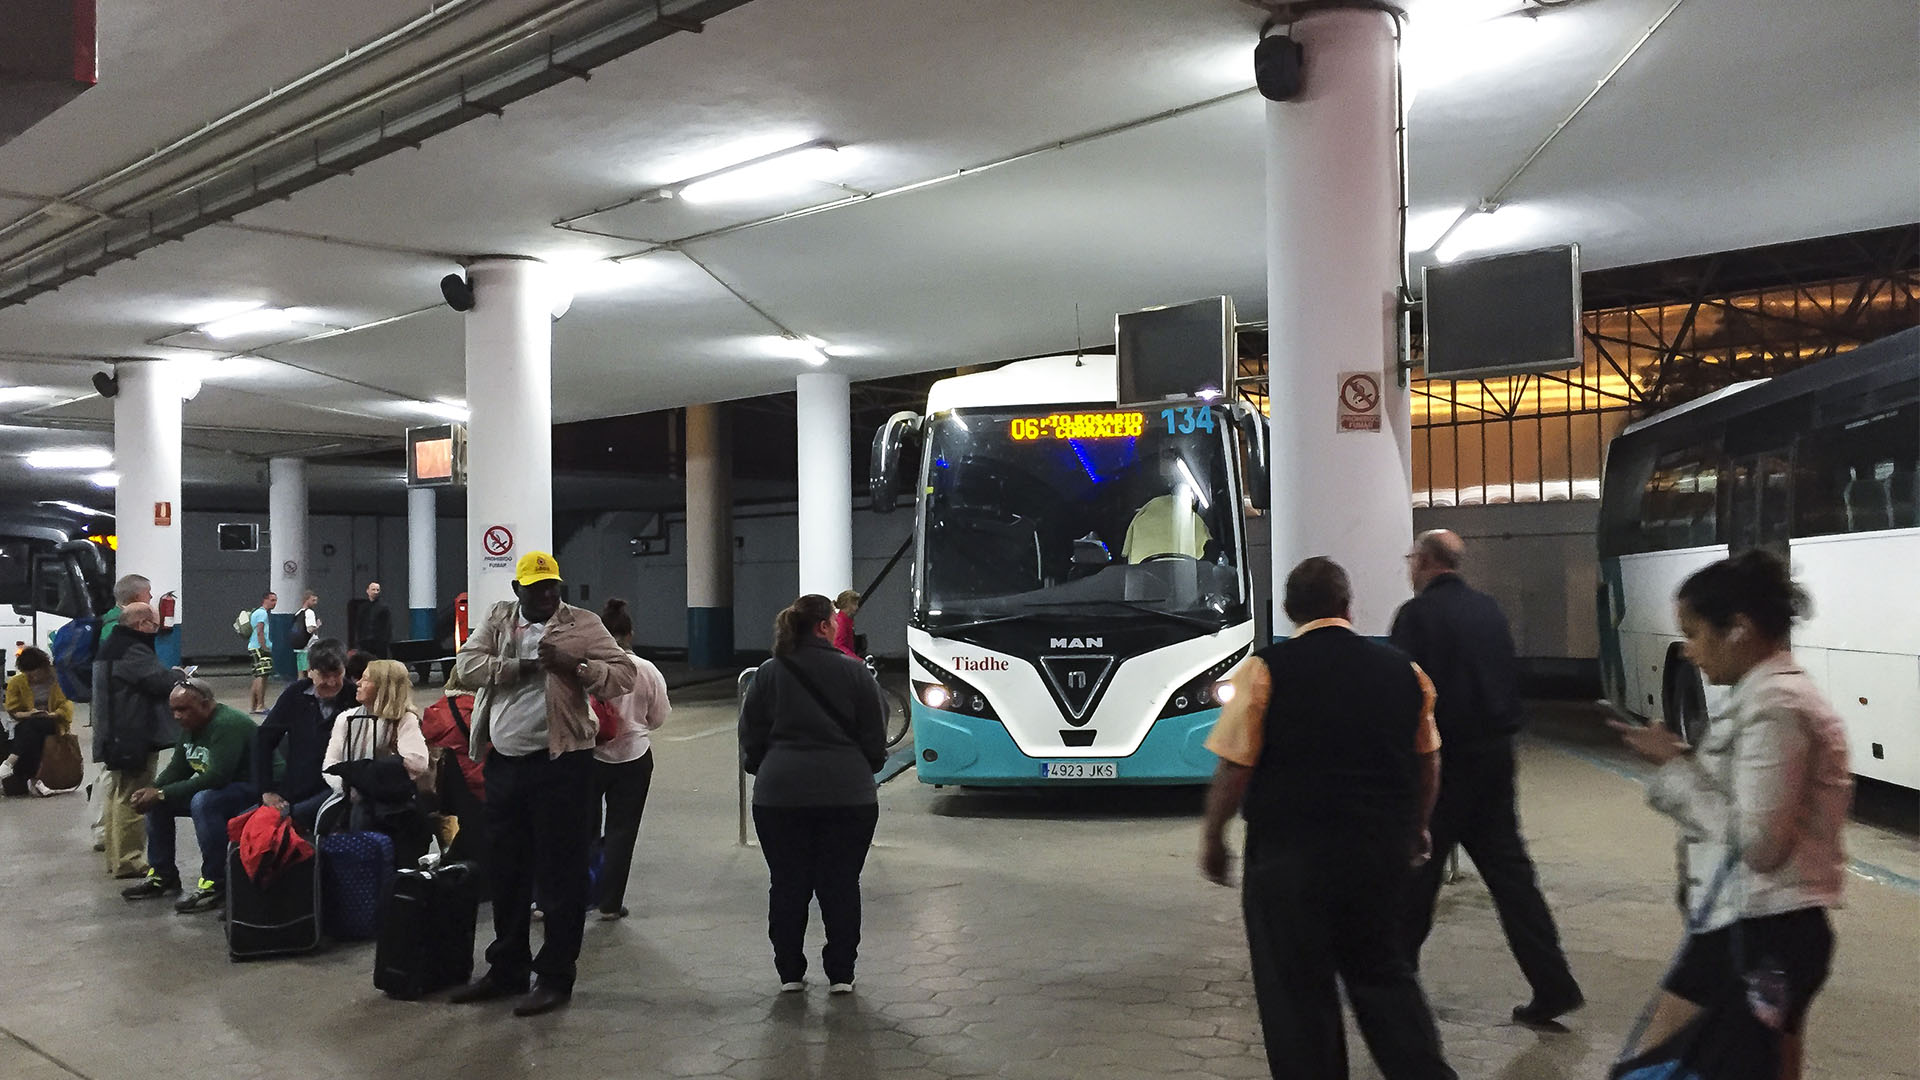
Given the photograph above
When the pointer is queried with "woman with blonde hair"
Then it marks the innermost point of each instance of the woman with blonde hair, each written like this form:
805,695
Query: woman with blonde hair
383,724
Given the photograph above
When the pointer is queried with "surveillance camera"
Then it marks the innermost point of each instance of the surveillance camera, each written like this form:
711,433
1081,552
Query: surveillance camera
105,385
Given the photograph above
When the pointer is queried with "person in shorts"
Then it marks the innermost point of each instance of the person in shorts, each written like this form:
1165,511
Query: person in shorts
260,651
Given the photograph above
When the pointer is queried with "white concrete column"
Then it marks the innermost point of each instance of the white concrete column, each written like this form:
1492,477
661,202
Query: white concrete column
510,425
1333,270
287,548
709,458
423,560
146,503
825,459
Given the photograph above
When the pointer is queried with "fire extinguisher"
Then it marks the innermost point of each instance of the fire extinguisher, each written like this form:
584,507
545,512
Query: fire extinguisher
167,605
459,620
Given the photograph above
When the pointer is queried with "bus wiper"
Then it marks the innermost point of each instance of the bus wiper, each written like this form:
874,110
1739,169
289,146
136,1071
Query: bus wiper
1134,605
956,627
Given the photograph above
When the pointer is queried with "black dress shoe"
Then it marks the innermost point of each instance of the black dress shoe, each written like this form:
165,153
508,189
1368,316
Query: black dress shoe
481,989
1537,1013
542,1000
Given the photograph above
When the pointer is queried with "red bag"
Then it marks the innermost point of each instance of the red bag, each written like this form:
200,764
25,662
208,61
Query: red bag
610,721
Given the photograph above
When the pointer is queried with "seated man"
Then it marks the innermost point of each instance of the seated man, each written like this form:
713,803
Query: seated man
302,720
206,780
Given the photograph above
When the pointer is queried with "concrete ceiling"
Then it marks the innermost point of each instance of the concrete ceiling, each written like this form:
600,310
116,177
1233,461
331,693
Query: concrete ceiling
1739,122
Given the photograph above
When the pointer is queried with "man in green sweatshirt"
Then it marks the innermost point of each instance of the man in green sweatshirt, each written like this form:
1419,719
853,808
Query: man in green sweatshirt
207,780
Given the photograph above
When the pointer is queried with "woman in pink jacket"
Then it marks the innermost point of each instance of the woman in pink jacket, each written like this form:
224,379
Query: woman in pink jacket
623,765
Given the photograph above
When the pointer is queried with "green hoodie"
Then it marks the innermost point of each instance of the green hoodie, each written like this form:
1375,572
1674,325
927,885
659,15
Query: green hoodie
213,757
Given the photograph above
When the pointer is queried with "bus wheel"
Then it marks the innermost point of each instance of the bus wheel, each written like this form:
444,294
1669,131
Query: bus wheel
1683,698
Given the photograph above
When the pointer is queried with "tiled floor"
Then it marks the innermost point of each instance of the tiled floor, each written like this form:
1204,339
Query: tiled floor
1018,936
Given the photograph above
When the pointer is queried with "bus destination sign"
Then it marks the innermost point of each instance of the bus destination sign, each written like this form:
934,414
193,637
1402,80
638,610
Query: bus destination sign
1079,425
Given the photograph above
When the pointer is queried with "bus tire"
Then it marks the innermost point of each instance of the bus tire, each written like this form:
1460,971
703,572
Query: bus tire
1683,697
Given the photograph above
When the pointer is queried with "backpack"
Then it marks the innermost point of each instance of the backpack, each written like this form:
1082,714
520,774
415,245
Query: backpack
73,649
302,636
243,623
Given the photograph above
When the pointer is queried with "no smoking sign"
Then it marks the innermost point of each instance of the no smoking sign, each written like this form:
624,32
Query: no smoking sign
1359,405
496,546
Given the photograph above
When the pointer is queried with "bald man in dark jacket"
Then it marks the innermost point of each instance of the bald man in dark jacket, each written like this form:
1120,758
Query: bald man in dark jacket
1460,639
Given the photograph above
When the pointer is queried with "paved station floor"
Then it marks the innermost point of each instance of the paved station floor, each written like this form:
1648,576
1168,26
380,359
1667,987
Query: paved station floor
1025,935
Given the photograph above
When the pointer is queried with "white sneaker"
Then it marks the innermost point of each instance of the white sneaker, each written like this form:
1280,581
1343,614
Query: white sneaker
840,988
39,790
793,987
6,770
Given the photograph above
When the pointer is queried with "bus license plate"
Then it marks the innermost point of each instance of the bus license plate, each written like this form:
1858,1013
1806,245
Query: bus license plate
1079,770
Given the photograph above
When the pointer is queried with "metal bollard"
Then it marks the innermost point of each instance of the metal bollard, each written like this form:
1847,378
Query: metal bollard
740,687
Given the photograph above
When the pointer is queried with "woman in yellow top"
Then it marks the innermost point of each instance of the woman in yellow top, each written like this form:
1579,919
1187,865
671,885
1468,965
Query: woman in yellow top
35,709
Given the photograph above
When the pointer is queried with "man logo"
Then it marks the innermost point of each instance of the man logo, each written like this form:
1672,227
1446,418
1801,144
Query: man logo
1076,643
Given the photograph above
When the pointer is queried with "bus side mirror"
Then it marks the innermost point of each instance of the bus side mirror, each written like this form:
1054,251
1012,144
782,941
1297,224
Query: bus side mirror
892,451
1253,439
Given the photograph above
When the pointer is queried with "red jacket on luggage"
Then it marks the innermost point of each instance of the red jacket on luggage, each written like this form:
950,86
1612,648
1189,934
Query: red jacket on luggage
443,726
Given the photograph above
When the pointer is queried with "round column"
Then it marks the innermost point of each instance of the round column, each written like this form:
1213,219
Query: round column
825,457
423,560
1333,274
510,427
709,464
146,502
287,545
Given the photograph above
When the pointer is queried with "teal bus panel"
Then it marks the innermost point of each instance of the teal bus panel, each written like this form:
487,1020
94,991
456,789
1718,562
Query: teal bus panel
973,751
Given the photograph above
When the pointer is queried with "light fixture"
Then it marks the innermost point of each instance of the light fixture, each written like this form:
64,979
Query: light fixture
769,174
104,479
798,348
9,394
1451,39
1489,226
254,321
445,408
1193,485
74,507
76,458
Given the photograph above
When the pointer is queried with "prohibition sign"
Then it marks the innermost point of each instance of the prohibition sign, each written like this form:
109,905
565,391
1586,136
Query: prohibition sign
1360,393
497,541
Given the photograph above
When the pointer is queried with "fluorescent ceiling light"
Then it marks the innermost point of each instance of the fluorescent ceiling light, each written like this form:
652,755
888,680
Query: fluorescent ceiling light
75,507
104,479
792,168
794,348
1506,226
258,320
20,393
446,408
76,458
1451,39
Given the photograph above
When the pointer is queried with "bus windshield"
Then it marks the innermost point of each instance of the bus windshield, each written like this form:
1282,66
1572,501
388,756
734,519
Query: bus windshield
1129,513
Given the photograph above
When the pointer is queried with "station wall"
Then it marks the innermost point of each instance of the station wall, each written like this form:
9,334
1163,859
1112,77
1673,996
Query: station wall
1537,559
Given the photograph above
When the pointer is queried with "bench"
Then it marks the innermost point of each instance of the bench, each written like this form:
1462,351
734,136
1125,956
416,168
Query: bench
421,655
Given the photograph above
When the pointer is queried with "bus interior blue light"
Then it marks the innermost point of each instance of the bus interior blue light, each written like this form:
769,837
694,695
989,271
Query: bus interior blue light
1081,453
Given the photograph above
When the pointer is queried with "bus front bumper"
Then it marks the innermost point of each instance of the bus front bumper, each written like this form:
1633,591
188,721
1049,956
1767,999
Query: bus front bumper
973,751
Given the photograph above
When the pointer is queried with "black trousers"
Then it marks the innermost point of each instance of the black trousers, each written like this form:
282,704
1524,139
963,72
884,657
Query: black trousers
815,851
1477,811
621,789
29,741
1328,907
541,822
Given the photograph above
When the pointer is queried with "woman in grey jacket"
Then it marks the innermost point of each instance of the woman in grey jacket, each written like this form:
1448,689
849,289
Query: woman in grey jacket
812,733
1769,783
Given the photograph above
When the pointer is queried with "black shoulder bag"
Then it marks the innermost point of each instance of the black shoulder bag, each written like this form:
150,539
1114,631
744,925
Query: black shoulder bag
846,722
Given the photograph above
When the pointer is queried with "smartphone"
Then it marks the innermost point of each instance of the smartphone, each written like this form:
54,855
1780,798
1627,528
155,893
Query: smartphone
190,669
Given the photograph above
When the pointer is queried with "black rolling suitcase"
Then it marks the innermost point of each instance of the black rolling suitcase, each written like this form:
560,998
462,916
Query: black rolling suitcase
278,920
426,931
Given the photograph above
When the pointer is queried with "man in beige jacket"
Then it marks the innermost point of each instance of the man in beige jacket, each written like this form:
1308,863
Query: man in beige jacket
533,662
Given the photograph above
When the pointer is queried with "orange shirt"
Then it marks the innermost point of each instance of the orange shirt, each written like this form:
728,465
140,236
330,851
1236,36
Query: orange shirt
1239,733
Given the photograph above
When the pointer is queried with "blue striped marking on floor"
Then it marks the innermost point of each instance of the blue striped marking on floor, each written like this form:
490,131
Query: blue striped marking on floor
1860,868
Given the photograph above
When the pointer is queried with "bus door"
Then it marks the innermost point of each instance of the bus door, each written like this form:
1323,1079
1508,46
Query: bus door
58,597
1759,491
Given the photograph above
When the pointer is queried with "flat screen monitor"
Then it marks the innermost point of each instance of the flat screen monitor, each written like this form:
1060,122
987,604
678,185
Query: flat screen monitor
437,456
1182,351
1503,314
239,536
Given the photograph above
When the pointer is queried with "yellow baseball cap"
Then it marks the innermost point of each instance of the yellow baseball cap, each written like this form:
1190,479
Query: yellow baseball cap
536,566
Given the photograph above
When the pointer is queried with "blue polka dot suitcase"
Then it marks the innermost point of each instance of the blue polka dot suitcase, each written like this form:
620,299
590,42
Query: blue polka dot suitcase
355,869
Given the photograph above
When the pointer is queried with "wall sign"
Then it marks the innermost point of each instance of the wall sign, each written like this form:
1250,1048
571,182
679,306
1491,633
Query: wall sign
163,514
1359,405
496,547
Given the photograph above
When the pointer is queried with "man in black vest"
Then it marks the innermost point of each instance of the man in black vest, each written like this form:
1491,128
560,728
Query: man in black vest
1460,638
1327,747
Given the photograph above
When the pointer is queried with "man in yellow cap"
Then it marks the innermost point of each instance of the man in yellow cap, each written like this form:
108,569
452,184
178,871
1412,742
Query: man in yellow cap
534,660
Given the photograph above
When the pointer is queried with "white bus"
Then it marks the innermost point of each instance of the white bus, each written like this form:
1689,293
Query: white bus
56,565
1819,465
1080,584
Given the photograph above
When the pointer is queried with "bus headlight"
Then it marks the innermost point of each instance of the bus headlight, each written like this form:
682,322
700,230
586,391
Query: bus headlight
934,696
1210,689
1223,692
